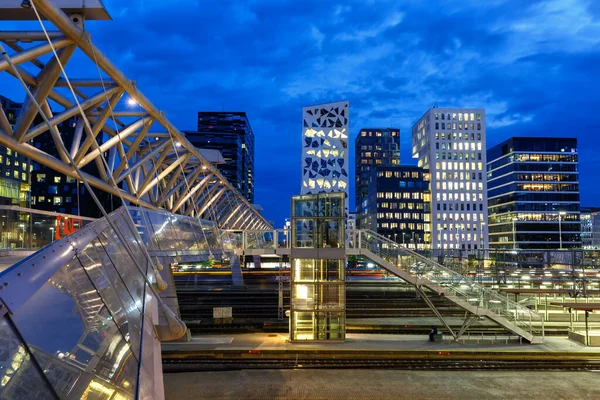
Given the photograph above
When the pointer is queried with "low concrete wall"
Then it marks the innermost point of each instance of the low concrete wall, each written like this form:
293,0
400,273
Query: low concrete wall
580,337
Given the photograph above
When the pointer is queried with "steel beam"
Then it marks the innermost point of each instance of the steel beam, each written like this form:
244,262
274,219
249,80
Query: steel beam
34,52
46,79
133,148
98,125
209,199
130,130
143,160
93,101
153,181
66,169
191,192
29,36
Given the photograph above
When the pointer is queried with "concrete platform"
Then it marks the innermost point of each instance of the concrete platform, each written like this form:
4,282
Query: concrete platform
381,384
265,342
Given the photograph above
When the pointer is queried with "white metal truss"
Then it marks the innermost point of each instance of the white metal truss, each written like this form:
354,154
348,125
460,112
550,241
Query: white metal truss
151,161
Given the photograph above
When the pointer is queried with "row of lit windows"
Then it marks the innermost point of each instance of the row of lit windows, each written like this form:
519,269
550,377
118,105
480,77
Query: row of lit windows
57,179
459,185
451,246
459,196
396,206
460,116
458,175
399,174
456,126
398,195
378,133
389,215
458,166
402,226
456,136
459,146
455,236
457,156
56,200
455,206
459,216
458,227
16,174
546,157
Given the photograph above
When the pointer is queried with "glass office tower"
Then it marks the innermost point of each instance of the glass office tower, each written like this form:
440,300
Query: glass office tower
533,194
318,258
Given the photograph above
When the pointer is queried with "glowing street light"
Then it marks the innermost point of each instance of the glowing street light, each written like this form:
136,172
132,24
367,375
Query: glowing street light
560,214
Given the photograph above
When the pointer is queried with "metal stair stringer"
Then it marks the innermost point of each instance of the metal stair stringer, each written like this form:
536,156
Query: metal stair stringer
414,280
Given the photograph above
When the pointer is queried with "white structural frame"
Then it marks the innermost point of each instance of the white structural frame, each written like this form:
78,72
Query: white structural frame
150,162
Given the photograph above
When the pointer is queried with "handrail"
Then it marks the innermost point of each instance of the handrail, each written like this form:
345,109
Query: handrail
485,297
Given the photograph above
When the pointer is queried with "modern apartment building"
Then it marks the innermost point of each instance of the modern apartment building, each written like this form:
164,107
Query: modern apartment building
373,148
325,148
232,135
399,205
533,193
450,143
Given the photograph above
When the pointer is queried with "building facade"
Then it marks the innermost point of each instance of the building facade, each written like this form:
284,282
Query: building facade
325,148
399,205
373,148
533,193
450,143
590,227
15,169
232,135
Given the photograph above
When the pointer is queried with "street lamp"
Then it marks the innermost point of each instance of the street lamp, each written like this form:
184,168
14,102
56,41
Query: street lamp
514,233
560,214
23,238
481,235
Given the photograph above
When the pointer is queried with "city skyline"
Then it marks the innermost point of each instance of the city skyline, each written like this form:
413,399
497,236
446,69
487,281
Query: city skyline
524,64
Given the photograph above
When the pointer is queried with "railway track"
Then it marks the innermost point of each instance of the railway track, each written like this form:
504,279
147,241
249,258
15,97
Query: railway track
196,364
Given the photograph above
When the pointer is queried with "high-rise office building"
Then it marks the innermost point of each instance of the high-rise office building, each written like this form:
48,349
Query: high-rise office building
399,205
232,135
325,148
534,193
15,169
373,147
450,142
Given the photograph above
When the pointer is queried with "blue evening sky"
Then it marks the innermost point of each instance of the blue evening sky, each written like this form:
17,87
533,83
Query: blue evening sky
532,64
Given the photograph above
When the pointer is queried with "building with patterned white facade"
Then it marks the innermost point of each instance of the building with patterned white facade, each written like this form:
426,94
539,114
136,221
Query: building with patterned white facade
451,143
325,148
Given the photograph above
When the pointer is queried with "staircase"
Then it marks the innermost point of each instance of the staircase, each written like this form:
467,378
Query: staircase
463,291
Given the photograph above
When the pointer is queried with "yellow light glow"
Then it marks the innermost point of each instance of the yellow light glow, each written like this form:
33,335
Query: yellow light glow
302,292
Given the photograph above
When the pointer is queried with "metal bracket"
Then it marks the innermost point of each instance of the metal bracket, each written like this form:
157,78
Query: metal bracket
435,311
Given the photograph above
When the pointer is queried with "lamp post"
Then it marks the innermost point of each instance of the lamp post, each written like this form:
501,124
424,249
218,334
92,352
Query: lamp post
481,236
23,238
514,233
560,214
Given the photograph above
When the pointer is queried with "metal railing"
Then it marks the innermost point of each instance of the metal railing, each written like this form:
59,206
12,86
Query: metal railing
464,288
29,229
